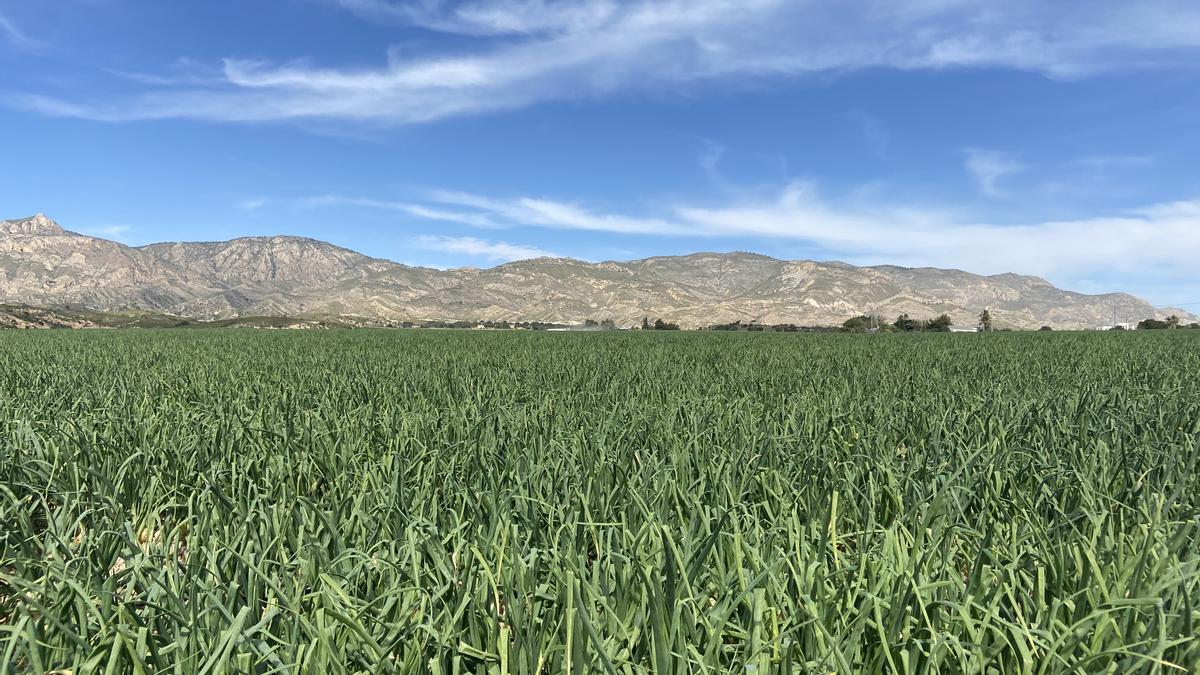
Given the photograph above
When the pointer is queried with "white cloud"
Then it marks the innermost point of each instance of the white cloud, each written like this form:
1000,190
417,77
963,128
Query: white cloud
493,251
418,210
11,34
489,17
183,72
1153,250
558,215
253,203
987,167
710,159
108,231
528,51
1161,240
1102,162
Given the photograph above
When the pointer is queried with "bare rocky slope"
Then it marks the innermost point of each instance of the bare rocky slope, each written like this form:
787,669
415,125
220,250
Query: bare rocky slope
42,264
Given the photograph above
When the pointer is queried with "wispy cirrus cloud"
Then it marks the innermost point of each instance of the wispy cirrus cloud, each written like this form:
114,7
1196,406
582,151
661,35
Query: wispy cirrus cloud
530,51
1164,238
490,17
116,232
1158,245
492,251
423,211
1103,162
987,167
1158,240
538,212
14,36
253,203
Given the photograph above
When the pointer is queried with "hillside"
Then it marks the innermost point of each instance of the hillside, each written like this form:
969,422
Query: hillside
42,264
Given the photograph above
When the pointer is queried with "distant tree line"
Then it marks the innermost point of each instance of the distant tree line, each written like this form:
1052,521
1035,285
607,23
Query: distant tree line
755,327
858,324
492,325
658,324
603,324
903,324
1169,323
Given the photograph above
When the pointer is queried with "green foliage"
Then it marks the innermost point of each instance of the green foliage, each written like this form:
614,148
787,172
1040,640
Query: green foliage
530,502
755,327
857,324
864,323
604,324
1170,322
941,324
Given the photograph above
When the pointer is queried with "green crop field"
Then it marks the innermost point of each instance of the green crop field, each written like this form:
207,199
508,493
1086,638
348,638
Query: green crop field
507,502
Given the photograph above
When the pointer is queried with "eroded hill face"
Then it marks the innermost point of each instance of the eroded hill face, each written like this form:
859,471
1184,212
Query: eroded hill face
43,264
34,225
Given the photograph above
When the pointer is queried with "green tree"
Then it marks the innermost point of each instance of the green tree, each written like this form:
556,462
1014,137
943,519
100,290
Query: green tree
858,324
941,324
985,320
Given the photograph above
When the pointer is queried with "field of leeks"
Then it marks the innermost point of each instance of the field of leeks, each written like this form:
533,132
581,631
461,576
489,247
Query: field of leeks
518,503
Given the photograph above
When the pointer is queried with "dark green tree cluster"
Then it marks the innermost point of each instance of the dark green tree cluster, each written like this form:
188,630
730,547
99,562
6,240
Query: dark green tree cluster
753,327
604,324
1159,324
492,325
906,324
859,324
658,324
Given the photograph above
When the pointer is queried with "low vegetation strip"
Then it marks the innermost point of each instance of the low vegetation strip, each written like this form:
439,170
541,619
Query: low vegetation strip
527,502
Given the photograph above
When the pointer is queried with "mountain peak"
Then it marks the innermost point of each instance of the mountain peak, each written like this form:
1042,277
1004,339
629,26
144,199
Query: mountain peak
37,224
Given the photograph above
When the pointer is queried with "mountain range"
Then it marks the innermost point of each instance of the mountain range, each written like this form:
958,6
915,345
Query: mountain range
44,265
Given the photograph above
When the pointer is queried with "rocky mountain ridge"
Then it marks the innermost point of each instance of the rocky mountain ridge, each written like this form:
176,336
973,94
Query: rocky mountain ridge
43,264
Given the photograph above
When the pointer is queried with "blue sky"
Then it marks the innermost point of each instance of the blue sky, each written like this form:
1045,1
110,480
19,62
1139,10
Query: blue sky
1051,138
